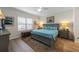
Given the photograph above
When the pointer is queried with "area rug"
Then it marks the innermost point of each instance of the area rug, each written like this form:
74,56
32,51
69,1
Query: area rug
37,46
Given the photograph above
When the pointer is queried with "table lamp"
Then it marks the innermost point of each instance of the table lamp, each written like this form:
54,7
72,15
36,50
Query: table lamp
64,25
2,20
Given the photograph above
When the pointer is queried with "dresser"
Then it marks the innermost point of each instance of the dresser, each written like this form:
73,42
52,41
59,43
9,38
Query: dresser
4,40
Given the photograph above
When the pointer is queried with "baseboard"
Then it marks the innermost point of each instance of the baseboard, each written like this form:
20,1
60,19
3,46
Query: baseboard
77,40
15,38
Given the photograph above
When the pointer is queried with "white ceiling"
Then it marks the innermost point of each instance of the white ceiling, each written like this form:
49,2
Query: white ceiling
45,10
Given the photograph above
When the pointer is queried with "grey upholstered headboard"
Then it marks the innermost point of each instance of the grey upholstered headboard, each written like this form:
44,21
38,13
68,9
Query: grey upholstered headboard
52,25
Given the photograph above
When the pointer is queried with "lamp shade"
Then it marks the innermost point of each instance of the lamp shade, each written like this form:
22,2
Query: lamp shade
1,14
64,24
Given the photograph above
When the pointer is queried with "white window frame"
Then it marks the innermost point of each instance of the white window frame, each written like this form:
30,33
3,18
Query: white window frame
27,24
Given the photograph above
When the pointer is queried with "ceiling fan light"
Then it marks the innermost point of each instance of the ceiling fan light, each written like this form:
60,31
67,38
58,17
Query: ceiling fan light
39,10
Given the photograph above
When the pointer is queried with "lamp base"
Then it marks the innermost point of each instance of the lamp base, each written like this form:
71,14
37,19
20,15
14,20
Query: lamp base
2,24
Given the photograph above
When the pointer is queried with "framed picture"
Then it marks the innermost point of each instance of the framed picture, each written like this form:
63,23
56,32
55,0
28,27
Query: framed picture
8,20
50,19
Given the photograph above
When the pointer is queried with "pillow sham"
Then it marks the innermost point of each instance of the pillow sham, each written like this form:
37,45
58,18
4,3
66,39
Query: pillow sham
53,28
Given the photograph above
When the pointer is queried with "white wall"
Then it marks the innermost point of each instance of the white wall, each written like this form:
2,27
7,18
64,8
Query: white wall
67,15
76,23
8,11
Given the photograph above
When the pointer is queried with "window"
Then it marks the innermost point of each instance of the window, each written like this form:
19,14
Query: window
29,23
24,23
21,23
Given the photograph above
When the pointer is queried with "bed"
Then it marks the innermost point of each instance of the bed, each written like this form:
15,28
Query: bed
46,35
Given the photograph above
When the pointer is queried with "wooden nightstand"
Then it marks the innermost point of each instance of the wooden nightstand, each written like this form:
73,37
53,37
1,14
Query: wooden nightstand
64,34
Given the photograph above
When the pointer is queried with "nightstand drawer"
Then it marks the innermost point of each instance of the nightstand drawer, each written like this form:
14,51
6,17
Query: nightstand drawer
64,34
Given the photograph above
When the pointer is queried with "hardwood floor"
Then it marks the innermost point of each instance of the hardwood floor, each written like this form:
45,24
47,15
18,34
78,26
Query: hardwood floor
37,46
17,45
62,45
66,45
